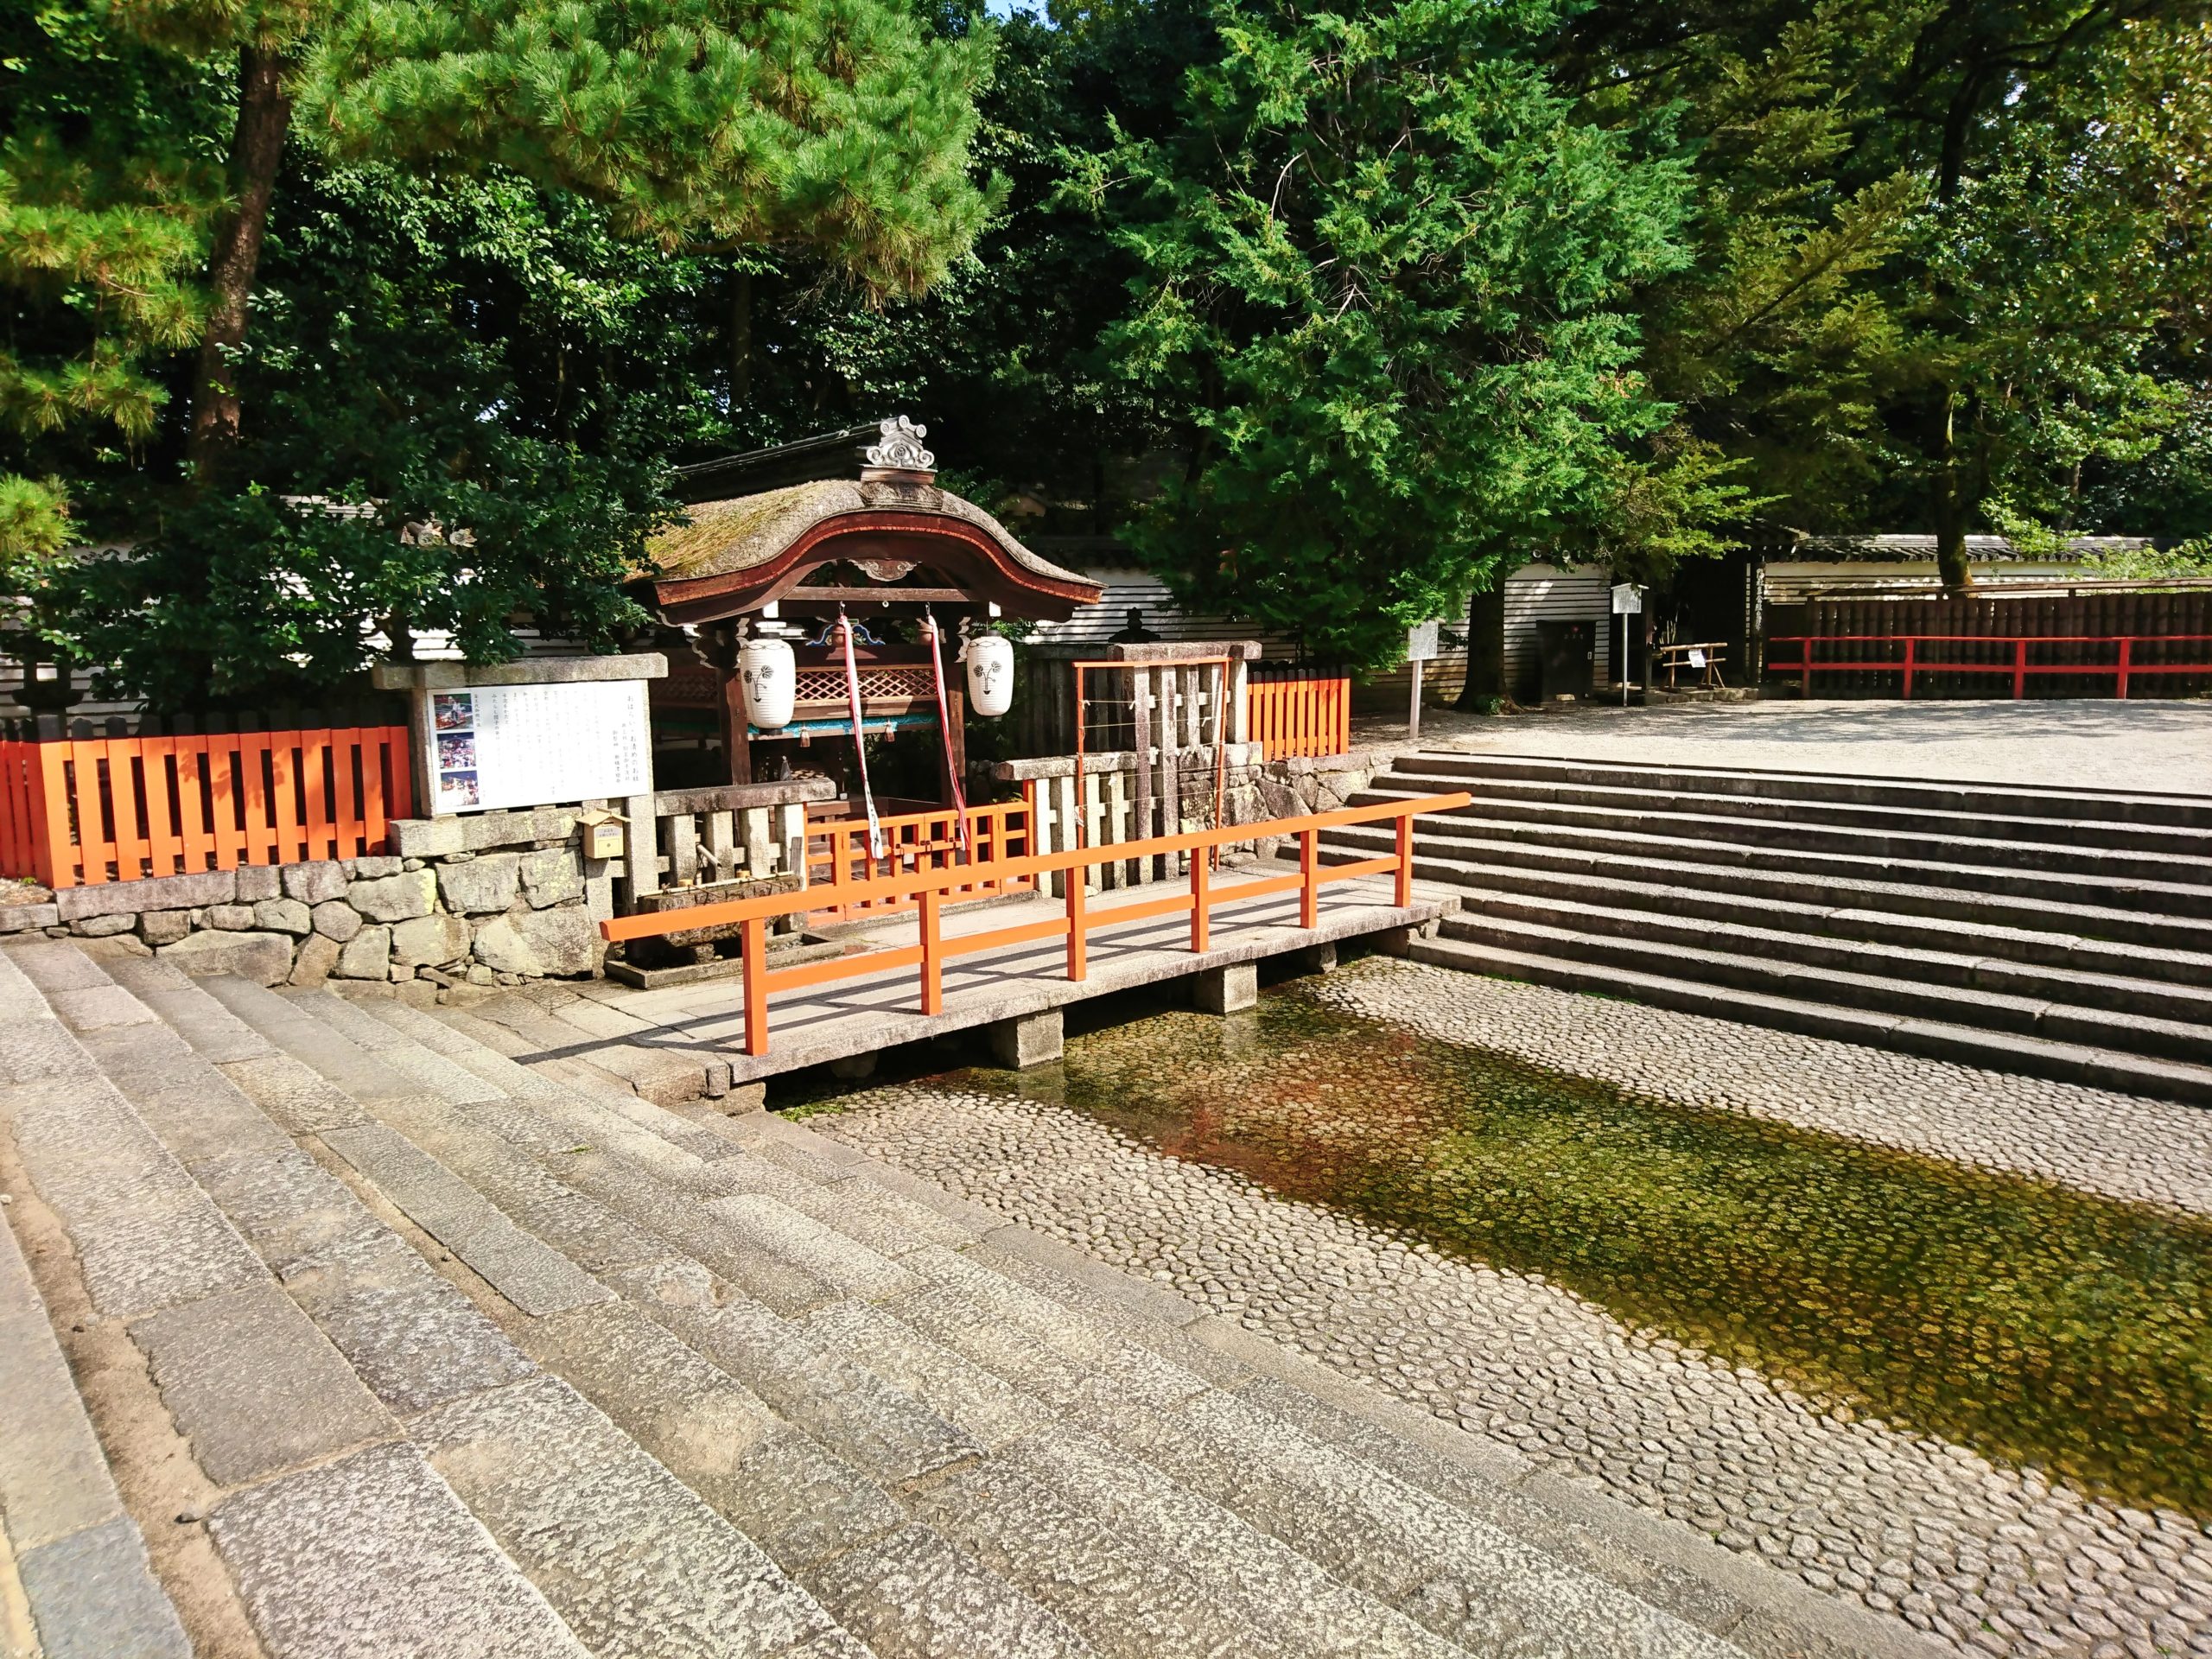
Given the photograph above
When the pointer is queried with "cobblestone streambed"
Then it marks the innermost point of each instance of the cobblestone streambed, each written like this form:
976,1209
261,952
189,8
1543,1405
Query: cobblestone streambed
1959,1388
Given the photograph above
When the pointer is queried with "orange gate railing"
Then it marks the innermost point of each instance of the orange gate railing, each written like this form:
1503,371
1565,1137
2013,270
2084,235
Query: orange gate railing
838,859
929,890
1299,717
78,812
2015,666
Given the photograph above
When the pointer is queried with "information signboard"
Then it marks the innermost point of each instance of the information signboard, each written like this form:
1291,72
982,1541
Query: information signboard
1421,643
1628,599
502,746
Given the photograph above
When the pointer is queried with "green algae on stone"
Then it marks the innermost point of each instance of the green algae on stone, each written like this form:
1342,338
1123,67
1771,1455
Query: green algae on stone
2038,1324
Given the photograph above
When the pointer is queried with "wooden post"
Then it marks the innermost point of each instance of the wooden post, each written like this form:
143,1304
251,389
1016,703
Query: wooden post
1078,947
2127,656
1309,866
753,932
932,952
1910,646
1403,893
2019,668
1412,713
1201,898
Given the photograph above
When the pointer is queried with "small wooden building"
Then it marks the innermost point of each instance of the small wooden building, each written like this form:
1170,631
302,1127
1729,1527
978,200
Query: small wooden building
881,547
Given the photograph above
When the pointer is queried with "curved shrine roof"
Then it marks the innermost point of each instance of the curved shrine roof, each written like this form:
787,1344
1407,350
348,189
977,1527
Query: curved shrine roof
773,535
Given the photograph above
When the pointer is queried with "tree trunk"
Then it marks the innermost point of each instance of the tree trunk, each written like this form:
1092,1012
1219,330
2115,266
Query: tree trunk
1486,645
1950,510
740,339
257,153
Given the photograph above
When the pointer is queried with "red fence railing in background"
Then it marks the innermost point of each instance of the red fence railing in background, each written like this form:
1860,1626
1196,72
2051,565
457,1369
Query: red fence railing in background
1299,717
80,812
1073,925
837,857
1914,661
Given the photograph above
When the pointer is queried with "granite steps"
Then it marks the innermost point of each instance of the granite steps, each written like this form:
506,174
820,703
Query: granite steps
538,1366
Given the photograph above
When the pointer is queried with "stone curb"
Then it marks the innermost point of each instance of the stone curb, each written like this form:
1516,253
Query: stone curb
1773,1600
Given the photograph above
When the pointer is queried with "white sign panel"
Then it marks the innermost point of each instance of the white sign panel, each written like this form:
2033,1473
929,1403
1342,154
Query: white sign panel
499,745
1628,599
1421,643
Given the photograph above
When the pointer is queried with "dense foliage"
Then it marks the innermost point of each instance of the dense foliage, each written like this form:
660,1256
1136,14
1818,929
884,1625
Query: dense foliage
330,319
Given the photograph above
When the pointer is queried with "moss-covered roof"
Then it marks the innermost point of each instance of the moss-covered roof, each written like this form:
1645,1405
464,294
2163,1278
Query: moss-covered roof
725,538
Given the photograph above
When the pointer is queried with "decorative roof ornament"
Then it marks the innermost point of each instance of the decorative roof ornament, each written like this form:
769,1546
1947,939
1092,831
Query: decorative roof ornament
901,450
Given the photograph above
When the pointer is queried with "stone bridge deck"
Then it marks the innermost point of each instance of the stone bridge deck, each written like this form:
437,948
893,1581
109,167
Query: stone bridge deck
698,1029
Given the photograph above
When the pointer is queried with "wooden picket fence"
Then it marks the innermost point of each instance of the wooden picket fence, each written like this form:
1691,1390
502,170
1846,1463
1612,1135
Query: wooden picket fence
78,811
1293,717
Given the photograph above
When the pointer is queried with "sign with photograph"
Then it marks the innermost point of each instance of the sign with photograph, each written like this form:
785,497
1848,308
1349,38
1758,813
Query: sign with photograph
501,745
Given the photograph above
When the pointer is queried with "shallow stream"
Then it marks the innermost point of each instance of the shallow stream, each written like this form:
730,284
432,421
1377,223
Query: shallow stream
2038,1324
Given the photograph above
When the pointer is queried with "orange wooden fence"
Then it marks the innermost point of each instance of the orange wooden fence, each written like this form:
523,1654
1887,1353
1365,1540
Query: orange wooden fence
1299,717
77,812
837,856
929,889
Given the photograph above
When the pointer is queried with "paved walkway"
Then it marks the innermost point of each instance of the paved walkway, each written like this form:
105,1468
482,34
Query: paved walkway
2085,744
1994,1558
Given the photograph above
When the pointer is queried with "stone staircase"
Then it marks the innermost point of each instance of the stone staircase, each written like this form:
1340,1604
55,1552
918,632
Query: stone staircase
2057,933
337,1329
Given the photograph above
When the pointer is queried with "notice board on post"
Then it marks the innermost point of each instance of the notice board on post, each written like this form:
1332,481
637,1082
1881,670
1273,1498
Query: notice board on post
505,745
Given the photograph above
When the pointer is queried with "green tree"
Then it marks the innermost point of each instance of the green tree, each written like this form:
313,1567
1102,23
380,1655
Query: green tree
465,392
1383,268
104,207
835,124
1929,286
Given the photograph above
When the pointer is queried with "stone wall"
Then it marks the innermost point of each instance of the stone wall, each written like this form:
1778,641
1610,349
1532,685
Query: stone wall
487,900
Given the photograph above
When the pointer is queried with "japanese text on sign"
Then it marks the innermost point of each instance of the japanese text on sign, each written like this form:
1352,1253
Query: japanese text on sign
501,745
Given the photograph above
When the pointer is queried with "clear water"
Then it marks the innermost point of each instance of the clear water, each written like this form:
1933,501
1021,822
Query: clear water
2037,1325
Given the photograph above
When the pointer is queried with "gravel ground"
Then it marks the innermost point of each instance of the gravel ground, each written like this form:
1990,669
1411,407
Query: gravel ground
1998,1560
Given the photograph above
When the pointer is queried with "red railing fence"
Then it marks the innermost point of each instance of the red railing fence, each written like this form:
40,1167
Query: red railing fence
1298,717
81,812
2014,661
928,889
838,857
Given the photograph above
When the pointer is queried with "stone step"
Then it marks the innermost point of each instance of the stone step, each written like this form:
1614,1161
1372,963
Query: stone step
2067,1062
1463,1579
309,1465
559,1025
772,1428
2149,1017
1663,792
564,1514
1633,840
1129,1600
2017,800
2186,871
1985,927
77,1556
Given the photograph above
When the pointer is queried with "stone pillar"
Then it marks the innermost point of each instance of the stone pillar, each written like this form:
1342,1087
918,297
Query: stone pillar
1226,989
1028,1040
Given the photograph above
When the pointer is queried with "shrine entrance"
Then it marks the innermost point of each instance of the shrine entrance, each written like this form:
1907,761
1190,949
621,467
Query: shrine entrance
888,553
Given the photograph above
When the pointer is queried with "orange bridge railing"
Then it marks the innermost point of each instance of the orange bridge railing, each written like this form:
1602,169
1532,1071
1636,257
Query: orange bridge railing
77,812
928,889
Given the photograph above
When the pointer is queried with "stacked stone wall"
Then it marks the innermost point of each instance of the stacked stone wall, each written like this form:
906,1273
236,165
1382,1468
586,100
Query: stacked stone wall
488,900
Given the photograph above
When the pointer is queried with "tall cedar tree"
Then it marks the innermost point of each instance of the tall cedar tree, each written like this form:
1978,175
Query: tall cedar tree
1936,246
1383,274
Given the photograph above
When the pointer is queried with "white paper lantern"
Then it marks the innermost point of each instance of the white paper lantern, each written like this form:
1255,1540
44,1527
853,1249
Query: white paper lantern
991,675
771,678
